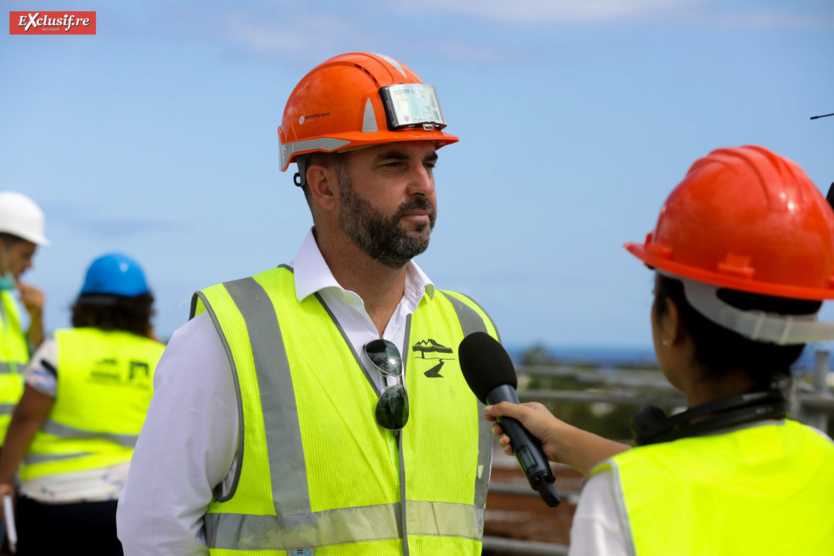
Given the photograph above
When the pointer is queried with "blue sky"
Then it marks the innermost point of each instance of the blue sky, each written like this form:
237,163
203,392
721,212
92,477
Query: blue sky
157,137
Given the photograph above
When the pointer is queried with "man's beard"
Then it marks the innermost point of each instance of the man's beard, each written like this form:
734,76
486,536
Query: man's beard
378,236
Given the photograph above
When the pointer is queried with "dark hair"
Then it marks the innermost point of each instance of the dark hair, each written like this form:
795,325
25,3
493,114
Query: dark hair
334,160
720,349
114,312
10,239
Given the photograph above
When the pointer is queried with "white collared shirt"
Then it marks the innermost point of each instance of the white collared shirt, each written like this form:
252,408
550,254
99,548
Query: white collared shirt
189,439
312,275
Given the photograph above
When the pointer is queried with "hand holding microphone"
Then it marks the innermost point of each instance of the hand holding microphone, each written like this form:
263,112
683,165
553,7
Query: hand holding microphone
538,421
490,374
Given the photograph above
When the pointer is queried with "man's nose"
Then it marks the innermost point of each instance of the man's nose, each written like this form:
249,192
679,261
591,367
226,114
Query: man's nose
422,181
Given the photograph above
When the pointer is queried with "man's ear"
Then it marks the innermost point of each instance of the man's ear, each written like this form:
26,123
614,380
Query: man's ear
323,182
672,324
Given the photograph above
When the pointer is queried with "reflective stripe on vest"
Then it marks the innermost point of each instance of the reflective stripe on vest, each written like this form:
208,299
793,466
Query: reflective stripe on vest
292,522
105,383
11,367
763,489
65,431
342,526
14,355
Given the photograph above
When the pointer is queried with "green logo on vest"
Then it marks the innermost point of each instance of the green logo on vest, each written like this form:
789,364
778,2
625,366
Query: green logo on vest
433,351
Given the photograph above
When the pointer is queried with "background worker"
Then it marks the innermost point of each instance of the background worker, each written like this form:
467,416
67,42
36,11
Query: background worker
743,253
21,232
86,395
320,405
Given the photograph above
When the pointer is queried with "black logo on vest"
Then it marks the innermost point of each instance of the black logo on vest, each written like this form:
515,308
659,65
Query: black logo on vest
433,351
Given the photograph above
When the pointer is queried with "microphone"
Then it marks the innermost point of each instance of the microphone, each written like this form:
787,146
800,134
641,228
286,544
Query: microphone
490,374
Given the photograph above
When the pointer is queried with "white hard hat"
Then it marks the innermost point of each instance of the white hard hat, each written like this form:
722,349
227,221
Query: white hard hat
21,217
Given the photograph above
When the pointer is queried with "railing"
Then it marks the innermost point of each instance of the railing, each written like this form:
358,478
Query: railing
809,403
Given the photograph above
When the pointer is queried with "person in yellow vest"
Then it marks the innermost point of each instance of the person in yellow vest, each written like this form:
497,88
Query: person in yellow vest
21,232
318,407
86,395
743,254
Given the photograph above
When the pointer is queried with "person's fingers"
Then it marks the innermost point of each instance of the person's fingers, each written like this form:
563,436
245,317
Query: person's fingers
30,295
507,409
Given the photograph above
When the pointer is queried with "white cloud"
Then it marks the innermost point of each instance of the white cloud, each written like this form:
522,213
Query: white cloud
545,12
766,20
567,12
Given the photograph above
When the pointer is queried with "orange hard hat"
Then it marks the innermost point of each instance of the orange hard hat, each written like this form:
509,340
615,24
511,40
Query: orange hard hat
359,99
746,219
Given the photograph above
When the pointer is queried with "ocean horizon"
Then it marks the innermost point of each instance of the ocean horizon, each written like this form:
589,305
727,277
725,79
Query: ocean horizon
631,357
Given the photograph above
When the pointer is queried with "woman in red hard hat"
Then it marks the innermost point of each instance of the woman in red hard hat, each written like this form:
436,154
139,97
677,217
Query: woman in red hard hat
743,252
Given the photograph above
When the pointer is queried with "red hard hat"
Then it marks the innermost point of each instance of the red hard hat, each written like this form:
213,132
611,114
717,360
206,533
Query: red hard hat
342,103
747,219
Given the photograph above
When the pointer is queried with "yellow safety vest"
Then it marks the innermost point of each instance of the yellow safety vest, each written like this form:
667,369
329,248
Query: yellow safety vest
757,491
105,384
314,470
14,355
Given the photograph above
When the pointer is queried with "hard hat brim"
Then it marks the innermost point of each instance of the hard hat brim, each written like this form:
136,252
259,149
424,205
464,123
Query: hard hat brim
750,285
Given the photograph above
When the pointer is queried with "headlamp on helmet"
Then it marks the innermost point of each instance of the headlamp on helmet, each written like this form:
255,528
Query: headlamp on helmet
412,104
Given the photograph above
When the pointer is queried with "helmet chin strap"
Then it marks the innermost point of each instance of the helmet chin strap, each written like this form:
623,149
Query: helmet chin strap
300,177
758,326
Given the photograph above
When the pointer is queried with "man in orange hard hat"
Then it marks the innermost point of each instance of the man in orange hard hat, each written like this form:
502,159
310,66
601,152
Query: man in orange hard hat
295,411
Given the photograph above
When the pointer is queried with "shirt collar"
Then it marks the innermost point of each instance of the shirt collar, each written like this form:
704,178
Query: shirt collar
313,275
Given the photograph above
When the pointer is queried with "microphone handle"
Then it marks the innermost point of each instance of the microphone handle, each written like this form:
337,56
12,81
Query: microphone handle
527,448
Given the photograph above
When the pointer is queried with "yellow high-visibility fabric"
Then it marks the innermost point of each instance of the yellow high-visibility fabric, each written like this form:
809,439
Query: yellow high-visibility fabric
756,491
350,462
105,384
14,355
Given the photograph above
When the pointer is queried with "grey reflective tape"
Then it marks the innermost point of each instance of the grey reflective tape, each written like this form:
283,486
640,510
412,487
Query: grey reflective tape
391,61
444,519
65,431
287,470
404,508
7,366
497,334
328,144
471,321
369,120
406,340
266,532
342,526
7,408
46,458
349,345
240,438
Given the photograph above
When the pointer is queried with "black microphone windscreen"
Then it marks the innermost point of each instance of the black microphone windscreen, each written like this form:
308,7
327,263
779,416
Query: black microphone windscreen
485,364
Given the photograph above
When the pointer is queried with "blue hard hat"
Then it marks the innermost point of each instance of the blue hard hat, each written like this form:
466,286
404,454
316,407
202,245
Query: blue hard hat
115,274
